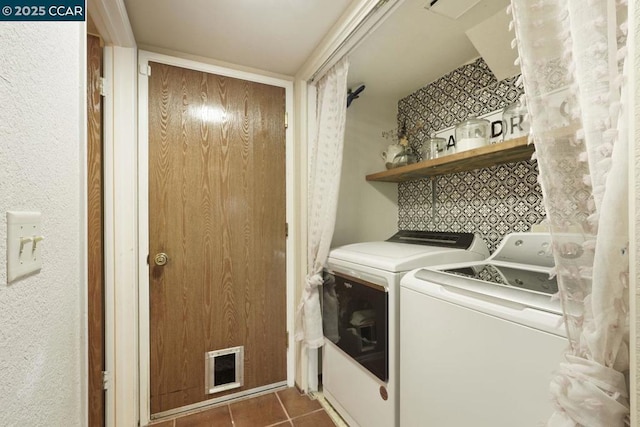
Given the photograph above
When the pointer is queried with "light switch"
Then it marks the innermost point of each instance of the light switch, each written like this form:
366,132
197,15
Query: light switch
24,244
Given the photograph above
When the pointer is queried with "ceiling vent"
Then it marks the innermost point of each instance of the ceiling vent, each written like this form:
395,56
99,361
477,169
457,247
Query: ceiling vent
452,9
492,39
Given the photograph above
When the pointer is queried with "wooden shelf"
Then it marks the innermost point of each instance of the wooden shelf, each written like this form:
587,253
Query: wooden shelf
503,152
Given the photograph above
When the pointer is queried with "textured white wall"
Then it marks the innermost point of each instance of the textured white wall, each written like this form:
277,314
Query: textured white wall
366,210
42,157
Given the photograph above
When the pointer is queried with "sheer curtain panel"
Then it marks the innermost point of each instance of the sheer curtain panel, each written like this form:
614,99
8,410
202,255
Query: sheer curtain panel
325,164
571,53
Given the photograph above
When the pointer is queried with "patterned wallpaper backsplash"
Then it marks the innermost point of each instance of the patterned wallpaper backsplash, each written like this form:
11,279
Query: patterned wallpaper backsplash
493,201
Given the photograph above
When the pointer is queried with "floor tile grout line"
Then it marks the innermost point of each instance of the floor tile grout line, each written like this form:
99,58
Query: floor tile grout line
289,419
278,423
233,423
308,413
283,408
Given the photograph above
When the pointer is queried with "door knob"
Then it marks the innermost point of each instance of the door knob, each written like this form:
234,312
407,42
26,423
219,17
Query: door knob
161,258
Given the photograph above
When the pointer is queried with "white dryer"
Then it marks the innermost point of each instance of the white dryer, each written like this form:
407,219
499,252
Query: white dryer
480,340
360,366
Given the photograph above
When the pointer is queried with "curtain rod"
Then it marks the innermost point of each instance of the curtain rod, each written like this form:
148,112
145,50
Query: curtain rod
322,67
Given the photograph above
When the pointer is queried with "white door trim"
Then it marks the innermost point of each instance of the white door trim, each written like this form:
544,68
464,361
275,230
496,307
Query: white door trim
112,22
120,236
143,206
108,232
120,250
633,119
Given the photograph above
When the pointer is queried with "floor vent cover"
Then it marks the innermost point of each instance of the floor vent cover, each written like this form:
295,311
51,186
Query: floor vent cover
223,369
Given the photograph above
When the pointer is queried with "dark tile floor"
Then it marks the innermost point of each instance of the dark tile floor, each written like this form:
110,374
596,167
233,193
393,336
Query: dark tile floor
286,408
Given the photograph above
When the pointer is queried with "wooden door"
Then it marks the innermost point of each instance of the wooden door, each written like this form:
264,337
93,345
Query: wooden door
94,232
217,209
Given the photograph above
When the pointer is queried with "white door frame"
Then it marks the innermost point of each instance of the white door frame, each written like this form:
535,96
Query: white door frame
633,98
120,242
143,211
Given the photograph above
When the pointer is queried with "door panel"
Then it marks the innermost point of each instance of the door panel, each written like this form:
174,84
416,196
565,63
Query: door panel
95,272
217,209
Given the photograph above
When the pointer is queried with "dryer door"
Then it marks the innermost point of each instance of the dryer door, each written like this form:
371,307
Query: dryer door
355,318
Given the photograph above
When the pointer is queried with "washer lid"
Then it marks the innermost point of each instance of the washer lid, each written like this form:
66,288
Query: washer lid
399,257
510,276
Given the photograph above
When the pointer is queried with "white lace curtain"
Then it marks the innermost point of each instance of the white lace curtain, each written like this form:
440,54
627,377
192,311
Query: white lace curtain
572,54
325,164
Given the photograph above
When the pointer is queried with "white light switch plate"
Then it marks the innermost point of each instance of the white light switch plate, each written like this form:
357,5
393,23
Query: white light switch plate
24,243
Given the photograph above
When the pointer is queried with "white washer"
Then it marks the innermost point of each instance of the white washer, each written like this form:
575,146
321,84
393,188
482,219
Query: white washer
479,341
361,314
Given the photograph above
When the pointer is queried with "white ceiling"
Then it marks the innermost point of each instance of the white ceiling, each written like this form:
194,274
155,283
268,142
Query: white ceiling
270,35
410,49
414,47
